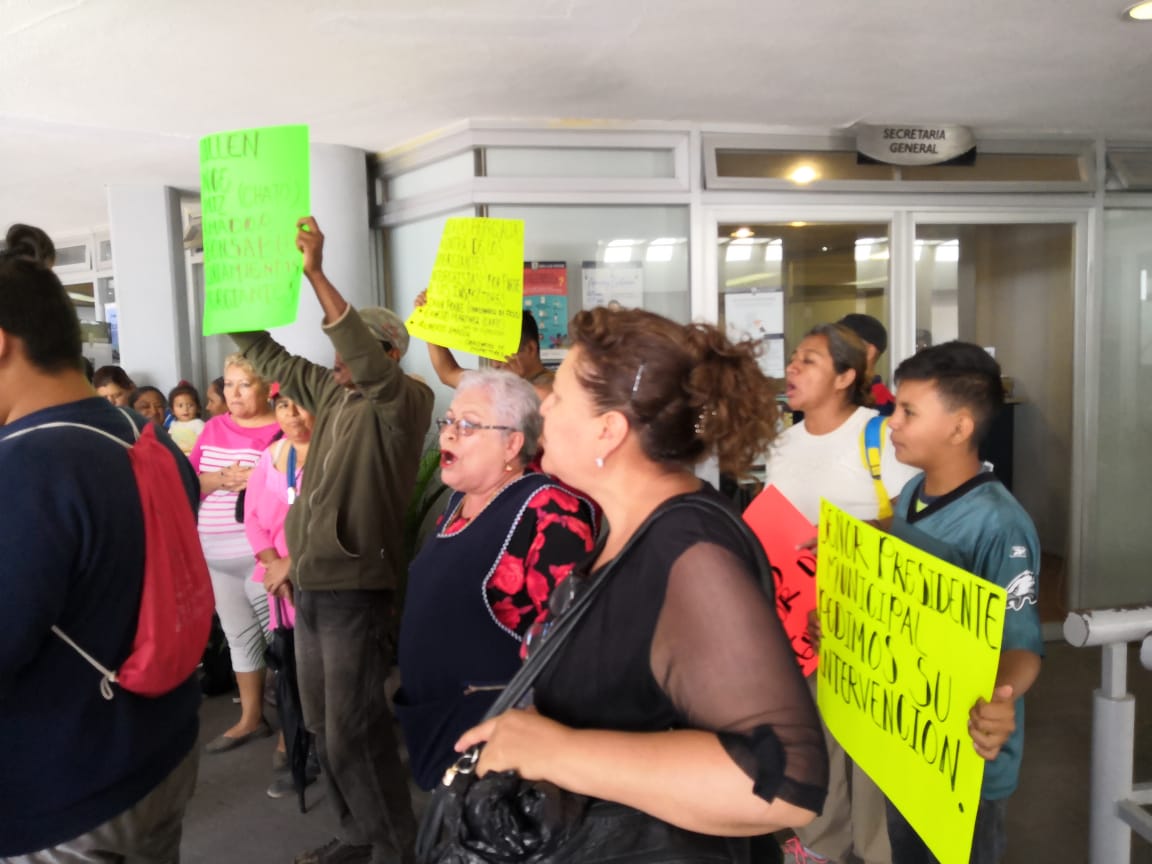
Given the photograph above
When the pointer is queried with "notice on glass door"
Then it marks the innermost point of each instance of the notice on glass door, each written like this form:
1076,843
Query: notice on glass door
617,286
758,316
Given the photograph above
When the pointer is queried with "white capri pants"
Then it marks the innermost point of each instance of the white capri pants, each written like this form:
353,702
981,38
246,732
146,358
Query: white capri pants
243,609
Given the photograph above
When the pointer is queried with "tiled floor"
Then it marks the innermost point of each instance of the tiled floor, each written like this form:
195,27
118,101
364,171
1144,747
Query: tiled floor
231,821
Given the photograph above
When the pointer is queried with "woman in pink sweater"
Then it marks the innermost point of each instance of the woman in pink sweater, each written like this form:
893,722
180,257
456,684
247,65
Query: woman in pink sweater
273,487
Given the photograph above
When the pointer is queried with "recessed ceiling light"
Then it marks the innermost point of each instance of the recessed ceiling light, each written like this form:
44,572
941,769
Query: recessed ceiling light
743,233
803,174
1139,12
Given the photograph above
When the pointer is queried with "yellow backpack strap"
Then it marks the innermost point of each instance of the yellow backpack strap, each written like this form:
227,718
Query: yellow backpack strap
872,439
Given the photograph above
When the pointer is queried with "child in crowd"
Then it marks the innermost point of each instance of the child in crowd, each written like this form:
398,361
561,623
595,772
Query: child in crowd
216,404
946,399
184,423
149,403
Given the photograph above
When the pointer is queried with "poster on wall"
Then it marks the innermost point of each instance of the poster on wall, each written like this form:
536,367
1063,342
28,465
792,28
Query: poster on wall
614,285
546,297
759,316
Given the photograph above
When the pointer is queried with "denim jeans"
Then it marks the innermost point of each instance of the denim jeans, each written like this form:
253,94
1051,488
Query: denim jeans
988,843
343,656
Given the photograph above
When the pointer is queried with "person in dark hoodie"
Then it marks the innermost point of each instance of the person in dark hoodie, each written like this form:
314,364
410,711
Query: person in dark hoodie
85,777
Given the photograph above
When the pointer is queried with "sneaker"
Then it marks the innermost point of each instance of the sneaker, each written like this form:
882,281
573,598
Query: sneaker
336,852
796,852
282,787
279,760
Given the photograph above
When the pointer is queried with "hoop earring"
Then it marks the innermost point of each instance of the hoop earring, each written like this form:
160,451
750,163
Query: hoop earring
599,461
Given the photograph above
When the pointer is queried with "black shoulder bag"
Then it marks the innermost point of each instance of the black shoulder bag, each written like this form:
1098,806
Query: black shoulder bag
503,819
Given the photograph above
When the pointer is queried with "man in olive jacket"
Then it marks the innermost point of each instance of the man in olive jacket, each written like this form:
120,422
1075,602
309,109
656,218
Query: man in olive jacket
345,540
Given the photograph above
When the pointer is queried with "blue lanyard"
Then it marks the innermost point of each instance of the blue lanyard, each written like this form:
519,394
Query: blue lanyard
292,474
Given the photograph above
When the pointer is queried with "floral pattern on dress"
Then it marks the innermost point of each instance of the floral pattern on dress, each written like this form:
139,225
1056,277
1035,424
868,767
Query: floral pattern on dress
554,534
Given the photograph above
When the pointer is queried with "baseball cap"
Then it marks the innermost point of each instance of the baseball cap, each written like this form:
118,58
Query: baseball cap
386,326
868,329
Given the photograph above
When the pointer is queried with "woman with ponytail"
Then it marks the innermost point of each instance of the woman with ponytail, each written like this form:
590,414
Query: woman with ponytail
675,696
828,455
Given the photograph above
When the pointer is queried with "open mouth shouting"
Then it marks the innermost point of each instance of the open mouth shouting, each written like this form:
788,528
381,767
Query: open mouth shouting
447,457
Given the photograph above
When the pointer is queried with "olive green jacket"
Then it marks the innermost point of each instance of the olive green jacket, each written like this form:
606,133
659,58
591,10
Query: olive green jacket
346,530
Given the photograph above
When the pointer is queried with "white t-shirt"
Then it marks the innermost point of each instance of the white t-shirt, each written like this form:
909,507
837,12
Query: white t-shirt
807,467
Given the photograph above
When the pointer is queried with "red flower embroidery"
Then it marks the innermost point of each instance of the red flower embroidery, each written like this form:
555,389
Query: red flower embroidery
538,588
509,575
507,613
533,555
552,495
580,528
560,572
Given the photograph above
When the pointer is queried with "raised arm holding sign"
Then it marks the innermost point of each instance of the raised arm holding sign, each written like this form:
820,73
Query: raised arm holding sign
475,293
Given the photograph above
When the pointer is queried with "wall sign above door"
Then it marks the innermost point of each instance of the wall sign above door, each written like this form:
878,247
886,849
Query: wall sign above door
915,145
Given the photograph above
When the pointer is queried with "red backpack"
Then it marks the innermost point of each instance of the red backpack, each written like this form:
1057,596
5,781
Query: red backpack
176,600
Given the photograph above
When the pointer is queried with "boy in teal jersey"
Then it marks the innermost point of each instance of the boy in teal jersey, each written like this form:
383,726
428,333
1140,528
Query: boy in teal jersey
946,399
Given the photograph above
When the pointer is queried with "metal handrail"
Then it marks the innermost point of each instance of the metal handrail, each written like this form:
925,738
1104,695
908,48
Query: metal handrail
1117,803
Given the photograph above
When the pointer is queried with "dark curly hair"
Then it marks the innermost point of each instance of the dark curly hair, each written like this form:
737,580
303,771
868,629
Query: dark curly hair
687,390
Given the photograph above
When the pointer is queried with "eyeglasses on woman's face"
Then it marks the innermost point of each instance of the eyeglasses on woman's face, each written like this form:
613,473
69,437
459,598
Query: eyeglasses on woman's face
465,428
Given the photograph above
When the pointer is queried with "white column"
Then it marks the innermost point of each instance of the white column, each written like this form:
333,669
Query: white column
340,205
151,294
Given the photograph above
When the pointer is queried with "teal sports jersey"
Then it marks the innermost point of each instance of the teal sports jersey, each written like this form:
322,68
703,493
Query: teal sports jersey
983,529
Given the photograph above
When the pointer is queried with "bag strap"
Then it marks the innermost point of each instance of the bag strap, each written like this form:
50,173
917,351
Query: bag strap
522,682
872,450
107,676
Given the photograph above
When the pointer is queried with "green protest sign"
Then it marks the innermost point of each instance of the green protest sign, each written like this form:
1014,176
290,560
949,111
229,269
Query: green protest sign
254,185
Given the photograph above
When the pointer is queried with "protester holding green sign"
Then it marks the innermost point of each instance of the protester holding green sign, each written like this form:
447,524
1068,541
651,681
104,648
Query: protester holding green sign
946,399
346,542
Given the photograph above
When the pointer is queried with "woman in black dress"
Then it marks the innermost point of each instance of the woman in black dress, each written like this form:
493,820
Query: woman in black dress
677,694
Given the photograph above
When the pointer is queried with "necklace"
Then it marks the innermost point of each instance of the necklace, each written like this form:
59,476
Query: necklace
457,511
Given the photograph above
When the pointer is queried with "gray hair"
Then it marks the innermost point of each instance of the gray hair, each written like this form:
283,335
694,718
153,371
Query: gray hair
514,403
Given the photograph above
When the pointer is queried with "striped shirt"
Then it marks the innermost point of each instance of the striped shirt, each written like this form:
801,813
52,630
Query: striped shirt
223,443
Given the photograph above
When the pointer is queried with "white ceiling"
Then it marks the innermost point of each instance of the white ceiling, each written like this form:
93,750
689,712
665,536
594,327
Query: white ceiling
109,91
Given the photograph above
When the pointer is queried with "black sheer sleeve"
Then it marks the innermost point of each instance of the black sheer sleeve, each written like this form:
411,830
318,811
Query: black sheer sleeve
721,656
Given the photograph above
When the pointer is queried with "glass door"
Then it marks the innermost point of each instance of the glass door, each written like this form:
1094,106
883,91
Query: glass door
778,280
1010,286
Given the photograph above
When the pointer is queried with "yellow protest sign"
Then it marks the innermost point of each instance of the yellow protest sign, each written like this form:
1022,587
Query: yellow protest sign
909,643
476,288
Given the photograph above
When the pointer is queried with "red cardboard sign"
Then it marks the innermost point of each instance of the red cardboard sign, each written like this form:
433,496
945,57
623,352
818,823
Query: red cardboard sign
782,529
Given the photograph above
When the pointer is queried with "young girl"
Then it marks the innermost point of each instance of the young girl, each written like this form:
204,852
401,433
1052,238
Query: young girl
184,423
